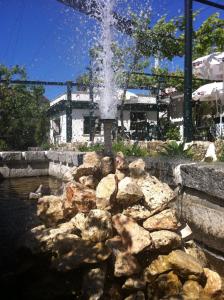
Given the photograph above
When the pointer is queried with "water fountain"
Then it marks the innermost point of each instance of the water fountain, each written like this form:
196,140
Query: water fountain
107,90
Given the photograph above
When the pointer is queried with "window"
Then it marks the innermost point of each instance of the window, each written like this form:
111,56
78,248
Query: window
95,124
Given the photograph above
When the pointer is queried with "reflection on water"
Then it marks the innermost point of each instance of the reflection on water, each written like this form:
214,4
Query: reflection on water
18,213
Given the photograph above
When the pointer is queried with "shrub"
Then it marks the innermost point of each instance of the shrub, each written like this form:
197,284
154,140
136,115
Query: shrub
90,148
174,149
173,132
130,150
3,146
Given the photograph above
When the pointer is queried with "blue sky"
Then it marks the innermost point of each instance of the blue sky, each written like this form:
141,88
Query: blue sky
51,41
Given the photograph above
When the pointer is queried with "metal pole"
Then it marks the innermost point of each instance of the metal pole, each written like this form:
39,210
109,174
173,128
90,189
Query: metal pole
69,113
91,111
188,126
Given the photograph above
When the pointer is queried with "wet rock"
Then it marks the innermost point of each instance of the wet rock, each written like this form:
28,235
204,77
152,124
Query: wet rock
191,248
79,221
134,283
157,194
137,168
192,290
93,283
167,285
164,220
134,237
126,265
185,264
72,252
165,240
86,170
50,210
137,212
98,226
120,162
107,165
89,181
213,285
78,198
137,296
157,267
128,192
106,191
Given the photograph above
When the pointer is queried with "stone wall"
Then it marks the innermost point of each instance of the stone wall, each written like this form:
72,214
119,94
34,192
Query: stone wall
201,199
200,203
37,163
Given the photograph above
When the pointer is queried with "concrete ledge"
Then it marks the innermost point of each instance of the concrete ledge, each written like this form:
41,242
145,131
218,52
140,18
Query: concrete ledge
205,217
203,177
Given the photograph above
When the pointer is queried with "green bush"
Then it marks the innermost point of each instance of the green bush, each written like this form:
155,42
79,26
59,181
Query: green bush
172,132
3,146
221,155
130,150
95,147
174,149
127,150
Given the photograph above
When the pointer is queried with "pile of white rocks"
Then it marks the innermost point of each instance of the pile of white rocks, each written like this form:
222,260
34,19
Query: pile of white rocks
116,220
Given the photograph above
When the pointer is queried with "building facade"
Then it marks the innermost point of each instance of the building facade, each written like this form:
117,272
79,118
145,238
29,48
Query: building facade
139,111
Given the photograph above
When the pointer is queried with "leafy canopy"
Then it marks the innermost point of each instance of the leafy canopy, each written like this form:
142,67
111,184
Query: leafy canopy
23,112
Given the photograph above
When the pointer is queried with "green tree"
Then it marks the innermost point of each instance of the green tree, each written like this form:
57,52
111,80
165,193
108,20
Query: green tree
23,112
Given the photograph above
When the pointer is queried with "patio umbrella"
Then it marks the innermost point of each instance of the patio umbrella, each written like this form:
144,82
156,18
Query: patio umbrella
212,92
210,66
209,92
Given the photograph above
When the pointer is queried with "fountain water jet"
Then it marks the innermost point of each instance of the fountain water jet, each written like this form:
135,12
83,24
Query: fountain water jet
108,97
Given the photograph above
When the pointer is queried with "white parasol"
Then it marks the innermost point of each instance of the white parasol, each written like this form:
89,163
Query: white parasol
210,66
212,92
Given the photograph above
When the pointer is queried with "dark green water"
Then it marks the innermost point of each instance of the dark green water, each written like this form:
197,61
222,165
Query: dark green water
23,276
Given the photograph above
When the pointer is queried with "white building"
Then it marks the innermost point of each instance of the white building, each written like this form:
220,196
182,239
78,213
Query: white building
137,109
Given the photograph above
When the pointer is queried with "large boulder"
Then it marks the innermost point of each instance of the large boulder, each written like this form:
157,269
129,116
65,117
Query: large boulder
157,195
165,240
134,237
128,192
156,267
166,219
42,239
98,226
116,246
79,221
78,198
93,283
185,264
106,191
71,252
137,168
86,170
192,290
134,283
50,210
120,162
89,181
167,286
93,159
107,165
126,265
213,285
137,212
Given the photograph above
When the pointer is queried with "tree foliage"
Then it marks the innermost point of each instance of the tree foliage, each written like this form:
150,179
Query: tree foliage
23,112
